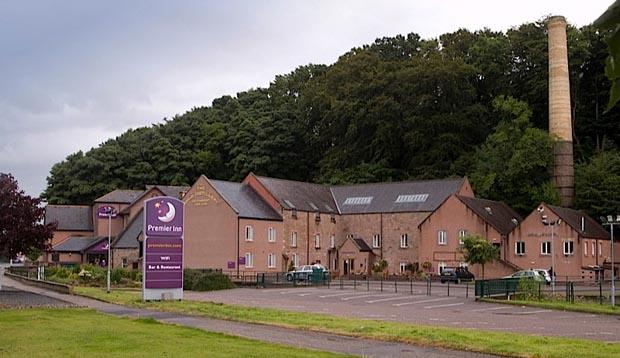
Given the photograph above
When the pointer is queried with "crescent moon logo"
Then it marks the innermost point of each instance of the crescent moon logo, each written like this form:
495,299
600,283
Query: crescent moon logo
169,216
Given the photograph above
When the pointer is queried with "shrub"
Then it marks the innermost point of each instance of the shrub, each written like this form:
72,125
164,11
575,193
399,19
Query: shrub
197,280
528,289
118,274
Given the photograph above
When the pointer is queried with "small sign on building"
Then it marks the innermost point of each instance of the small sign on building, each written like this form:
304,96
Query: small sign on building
163,249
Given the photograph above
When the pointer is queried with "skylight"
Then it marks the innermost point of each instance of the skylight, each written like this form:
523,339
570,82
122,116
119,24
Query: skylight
287,202
314,206
358,200
412,198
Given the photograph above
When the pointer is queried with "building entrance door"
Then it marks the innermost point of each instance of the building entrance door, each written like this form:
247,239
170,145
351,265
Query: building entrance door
348,266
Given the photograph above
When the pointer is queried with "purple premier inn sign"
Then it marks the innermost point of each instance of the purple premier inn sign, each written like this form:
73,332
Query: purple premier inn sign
163,249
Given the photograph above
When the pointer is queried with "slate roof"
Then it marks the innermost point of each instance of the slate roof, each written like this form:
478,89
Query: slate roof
385,195
128,238
70,217
573,218
300,195
499,215
120,196
170,190
362,245
245,201
76,244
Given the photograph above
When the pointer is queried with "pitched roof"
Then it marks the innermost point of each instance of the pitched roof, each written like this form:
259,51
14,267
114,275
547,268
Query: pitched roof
362,245
300,195
496,213
573,218
70,217
120,196
170,190
244,200
128,238
76,244
413,196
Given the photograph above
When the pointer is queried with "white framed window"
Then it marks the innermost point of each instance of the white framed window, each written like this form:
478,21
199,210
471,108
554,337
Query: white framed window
520,247
593,248
271,260
376,241
271,234
462,234
404,241
600,249
442,237
332,241
295,260
249,233
441,267
403,267
294,239
249,260
317,241
545,248
568,247
585,248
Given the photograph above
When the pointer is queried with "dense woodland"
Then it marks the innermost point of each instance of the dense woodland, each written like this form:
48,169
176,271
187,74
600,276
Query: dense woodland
467,103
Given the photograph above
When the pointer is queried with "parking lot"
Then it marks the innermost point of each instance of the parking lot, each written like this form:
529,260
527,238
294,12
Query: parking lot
415,306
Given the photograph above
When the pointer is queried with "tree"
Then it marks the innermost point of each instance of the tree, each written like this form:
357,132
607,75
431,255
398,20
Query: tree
610,20
21,230
478,251
597,182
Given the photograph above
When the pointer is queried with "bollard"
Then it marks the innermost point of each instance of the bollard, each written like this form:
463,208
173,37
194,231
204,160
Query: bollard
411,285
395,286
467,289
381,283
354,283
367,284
448,288
600,291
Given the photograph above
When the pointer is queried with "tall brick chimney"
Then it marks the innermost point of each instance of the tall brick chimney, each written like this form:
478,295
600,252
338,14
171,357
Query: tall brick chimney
560,121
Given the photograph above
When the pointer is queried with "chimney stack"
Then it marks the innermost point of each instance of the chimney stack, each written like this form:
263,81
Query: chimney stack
560,120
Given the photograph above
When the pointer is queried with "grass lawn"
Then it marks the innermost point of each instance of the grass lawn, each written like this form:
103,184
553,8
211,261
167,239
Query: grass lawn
508,344
587,307
71,332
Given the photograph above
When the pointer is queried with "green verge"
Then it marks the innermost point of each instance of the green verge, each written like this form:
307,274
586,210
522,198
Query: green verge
75,332
500,343
561,305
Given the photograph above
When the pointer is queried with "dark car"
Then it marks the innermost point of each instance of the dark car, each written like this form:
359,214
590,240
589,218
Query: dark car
455,274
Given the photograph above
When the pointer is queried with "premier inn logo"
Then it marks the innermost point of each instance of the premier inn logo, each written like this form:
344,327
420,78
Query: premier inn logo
165,211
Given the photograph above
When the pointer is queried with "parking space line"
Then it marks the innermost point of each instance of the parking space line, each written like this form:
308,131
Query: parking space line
339,294
392,299
293,291
366,296
491,309
529,312
424,301
446,305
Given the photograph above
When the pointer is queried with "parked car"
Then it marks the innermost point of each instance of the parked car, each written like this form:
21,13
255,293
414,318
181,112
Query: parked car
456,274
545,274
531,274
304,272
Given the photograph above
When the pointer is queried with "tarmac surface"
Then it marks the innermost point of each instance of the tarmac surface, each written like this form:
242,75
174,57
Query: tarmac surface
298,338
412,304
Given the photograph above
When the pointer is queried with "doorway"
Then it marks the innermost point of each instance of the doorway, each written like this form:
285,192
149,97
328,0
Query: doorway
349,266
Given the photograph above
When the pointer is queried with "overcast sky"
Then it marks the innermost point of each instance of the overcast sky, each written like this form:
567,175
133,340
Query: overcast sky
75,73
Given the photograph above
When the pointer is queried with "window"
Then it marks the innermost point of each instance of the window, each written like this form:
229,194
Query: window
403,267
295,260
593,248
125,262
545,248
404,241
600,249
249,260
376,241
332,241
317,241
271,234
55,257
568,247
271,260
462,234
520,247
442,237
585,248
294,239
249,233
441,267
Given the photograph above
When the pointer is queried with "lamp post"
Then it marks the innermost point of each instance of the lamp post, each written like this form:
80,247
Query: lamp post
551,223
611,221
110,212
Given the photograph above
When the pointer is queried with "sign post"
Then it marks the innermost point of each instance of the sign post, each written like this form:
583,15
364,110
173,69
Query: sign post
163,249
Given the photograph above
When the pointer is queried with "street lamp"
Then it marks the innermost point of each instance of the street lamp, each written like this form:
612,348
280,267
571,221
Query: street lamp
110,212
551,223
611,221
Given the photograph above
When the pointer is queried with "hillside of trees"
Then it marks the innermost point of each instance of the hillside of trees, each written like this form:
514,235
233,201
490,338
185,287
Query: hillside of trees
467,103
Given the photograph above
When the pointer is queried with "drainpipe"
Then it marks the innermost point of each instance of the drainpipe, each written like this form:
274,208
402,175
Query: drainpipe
381,233
237,258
